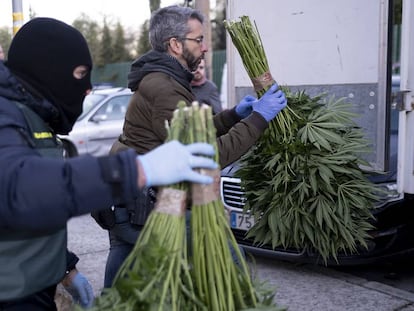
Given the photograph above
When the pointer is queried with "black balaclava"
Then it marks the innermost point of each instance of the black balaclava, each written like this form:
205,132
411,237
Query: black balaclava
44,53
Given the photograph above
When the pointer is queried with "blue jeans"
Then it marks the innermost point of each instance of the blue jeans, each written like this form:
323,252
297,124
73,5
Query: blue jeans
122,238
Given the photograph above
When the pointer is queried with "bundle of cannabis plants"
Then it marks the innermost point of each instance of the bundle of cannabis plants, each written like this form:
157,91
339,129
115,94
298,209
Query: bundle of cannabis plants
169,270
304,180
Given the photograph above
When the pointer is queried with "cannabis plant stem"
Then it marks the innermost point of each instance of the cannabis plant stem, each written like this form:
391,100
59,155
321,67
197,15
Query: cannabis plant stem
248,43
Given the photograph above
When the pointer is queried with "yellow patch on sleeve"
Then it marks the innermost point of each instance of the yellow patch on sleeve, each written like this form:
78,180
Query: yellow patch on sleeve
42,135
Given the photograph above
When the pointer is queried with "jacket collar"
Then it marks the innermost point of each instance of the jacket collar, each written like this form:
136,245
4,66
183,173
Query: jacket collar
155,61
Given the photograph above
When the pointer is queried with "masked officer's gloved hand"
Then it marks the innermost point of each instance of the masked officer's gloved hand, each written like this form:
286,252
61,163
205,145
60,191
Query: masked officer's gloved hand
244,108
271,103
173,162
79,288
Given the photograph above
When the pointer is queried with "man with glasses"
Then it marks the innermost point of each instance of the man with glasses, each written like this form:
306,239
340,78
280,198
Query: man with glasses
160,79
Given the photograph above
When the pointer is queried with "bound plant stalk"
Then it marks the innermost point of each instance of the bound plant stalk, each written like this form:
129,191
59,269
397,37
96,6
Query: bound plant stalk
162,272
303,180
248,43
156,274
220,272
167,225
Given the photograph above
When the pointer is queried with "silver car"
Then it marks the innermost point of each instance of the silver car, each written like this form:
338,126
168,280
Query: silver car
100,123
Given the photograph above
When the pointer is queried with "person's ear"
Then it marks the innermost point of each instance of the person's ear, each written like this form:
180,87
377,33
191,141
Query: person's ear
175,45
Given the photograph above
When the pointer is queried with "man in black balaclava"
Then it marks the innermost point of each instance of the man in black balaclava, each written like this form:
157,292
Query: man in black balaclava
43,55
52,62
42,87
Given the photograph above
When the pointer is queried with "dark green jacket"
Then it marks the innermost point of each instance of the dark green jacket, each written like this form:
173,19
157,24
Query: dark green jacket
39,194
31,260
160,82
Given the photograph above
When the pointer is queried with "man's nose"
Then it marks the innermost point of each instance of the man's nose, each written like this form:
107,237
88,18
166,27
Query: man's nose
204,47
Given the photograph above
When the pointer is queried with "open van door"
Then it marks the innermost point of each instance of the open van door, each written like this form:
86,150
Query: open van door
405,179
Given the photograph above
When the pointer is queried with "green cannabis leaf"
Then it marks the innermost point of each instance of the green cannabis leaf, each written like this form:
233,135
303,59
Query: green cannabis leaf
307,189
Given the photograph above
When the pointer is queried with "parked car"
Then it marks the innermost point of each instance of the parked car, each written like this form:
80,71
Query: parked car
394,215
100,123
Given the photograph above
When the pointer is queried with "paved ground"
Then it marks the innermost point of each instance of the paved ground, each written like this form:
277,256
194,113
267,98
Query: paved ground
299,287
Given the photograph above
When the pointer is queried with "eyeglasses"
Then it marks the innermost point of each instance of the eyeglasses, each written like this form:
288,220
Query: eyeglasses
199,40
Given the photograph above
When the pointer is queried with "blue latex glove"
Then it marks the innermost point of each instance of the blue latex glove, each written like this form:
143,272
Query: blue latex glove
81,290
244,108
173,162
271,103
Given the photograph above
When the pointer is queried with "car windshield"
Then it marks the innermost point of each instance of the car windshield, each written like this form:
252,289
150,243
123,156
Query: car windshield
89,102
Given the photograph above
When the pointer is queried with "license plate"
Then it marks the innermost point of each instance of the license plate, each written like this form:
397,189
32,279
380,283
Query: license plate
242,221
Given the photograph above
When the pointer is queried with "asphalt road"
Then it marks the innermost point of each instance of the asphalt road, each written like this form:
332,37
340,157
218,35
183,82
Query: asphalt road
398,274
298,287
